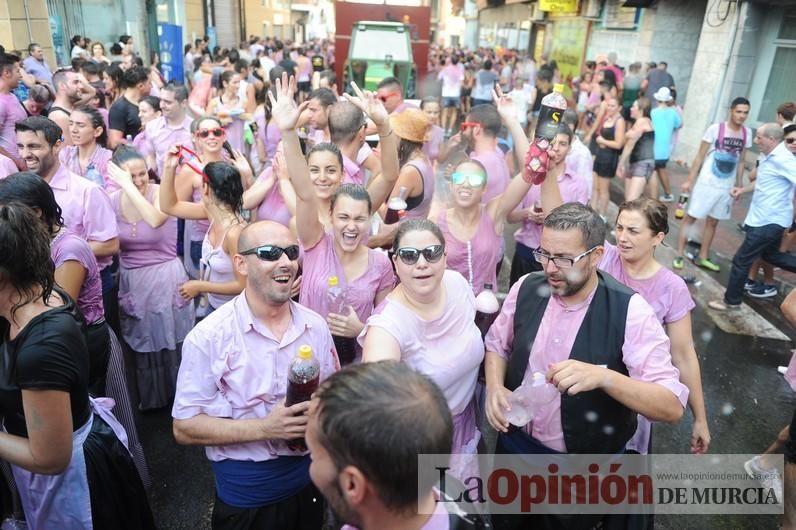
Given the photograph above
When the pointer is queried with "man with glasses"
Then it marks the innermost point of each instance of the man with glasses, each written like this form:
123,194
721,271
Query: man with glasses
770,212
232,386
391,93
596,340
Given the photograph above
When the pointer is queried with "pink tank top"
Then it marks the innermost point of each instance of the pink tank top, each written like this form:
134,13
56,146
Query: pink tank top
477,258
140,245
427,173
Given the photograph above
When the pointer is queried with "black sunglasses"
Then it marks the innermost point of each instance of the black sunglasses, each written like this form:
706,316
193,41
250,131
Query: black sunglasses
273,253
410,255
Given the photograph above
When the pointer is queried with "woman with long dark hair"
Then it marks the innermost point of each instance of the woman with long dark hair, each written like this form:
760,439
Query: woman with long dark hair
221,203
77,273
88,156
70,465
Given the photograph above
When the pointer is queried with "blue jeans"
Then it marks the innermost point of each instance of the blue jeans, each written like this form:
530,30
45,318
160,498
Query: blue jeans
760,241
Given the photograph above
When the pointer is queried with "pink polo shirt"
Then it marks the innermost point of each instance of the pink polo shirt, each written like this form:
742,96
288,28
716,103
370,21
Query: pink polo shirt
233,367
645,352
7,167
573,189
497,172
87,210
160,136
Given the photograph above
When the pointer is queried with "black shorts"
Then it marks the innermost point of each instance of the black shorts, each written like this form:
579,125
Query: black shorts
304,86
661,164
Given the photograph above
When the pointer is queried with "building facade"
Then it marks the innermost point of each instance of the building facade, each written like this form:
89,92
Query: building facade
744,48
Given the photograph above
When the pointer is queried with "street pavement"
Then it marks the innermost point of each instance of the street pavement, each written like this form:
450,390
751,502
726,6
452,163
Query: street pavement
748,401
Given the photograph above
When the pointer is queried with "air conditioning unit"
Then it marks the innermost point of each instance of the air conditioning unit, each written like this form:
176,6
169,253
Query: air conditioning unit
537,15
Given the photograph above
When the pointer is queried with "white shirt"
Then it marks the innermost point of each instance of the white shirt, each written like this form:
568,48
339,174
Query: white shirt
772,201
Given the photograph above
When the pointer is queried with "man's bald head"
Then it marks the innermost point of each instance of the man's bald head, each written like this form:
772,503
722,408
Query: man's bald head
773,131
345,121
265,233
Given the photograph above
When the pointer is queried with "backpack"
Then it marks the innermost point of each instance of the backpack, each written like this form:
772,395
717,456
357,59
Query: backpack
726,161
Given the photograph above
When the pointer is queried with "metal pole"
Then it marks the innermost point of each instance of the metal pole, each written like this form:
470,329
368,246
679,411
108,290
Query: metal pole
27,19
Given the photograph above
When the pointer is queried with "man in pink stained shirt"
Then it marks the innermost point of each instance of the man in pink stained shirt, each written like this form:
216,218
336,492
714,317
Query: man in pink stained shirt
347,130
232,386
86,209
11,110
579,160
596,340
391,93
359,416
172,128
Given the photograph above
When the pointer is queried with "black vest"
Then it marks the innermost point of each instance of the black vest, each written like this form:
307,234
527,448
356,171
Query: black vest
593,422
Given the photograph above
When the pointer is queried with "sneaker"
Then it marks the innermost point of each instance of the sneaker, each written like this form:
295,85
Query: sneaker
769,478
763,291
678,263
666,197
707,264
750,284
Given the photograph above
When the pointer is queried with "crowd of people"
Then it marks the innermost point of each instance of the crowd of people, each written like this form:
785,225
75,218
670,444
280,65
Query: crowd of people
195,233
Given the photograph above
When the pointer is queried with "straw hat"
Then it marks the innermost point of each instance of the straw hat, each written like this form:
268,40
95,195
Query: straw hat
411,124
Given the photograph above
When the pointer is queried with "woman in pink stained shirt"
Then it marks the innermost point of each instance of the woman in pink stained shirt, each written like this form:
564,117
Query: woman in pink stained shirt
221,201
155,318
640,228
87,156
229,108
364,276
431,108
427,321
474,231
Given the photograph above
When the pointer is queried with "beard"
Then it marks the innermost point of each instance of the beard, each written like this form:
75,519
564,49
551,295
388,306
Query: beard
342,513
573,281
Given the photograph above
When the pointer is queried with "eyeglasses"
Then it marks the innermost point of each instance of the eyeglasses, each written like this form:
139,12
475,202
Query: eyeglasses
474,179
559,261
217,132
273,253
790,140
410,255
469,125
385,97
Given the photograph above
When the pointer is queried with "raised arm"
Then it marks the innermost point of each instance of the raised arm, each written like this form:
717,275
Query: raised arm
254,196
286,114
149,212
380,186
169,203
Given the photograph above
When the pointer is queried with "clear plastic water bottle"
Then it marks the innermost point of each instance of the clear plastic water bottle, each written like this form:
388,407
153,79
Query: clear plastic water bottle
93,174
346,346
528,398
